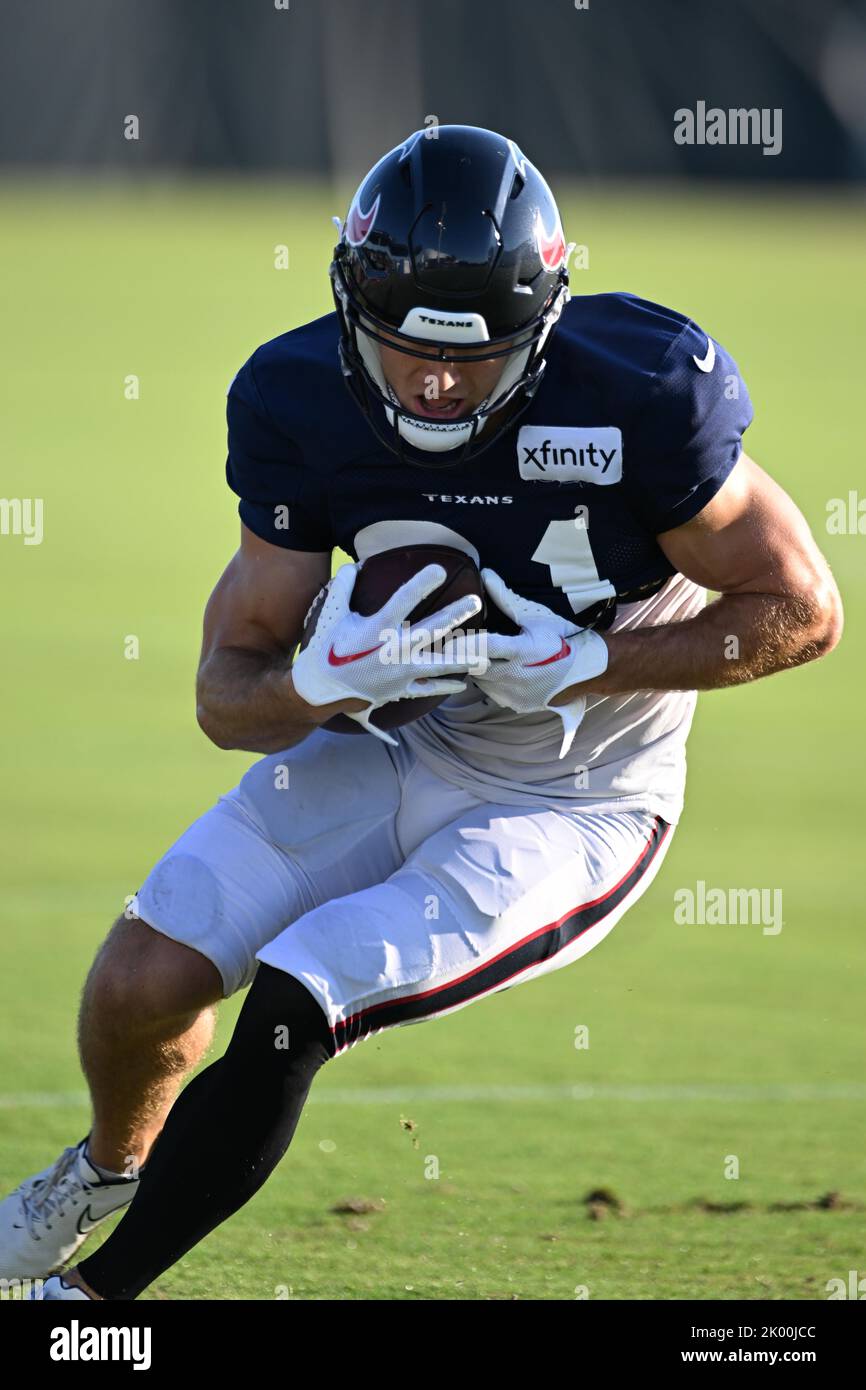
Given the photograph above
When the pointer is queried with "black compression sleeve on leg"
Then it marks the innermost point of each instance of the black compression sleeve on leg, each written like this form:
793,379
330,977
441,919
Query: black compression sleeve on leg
224,1136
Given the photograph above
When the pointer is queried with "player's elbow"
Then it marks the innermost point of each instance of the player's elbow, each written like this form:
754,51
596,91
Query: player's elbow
211,728
826,618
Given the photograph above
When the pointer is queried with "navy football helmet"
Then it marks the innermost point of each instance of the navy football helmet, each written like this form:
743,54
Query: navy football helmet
453,239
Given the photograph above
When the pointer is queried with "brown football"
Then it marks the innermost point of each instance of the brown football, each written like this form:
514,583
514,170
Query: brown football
378,578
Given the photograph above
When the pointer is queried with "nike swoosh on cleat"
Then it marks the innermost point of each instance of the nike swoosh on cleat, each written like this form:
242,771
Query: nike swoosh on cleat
334,660
565,650
87,1215
707,363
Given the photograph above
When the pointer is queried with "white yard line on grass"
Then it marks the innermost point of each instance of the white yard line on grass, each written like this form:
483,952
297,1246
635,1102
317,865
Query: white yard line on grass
404,1095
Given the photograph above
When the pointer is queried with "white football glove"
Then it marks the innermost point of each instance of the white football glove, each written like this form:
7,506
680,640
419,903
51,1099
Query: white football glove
344,658
525,672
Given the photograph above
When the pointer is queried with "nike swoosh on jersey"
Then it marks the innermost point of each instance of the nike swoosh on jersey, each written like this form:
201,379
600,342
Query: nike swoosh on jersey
334,660
565,650
706,363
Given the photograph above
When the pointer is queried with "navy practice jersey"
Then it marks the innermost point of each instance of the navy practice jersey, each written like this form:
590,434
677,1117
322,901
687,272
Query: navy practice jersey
636,425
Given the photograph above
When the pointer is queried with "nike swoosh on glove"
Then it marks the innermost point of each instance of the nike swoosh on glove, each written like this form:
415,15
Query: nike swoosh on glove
548,654
344,658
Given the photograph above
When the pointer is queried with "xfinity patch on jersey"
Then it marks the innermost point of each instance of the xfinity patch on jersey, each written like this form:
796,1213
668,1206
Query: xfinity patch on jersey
557,455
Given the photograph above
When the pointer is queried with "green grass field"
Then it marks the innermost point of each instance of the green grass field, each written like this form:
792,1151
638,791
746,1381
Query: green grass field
704,1041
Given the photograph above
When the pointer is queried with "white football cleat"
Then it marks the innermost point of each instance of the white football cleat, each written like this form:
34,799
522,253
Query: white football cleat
57,1288
45,1220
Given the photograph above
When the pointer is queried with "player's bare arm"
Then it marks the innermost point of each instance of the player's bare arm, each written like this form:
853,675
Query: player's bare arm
777,597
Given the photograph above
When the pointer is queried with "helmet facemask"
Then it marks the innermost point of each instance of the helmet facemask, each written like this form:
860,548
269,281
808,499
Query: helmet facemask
433,334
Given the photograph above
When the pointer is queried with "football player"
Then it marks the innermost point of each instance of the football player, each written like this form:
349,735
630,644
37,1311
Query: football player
588,456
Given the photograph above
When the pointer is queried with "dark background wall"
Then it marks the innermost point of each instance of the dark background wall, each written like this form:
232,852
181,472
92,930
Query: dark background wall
325,85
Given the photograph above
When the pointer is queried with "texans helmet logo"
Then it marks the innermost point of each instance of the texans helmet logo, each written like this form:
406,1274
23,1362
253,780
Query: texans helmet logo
360,224
551,245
